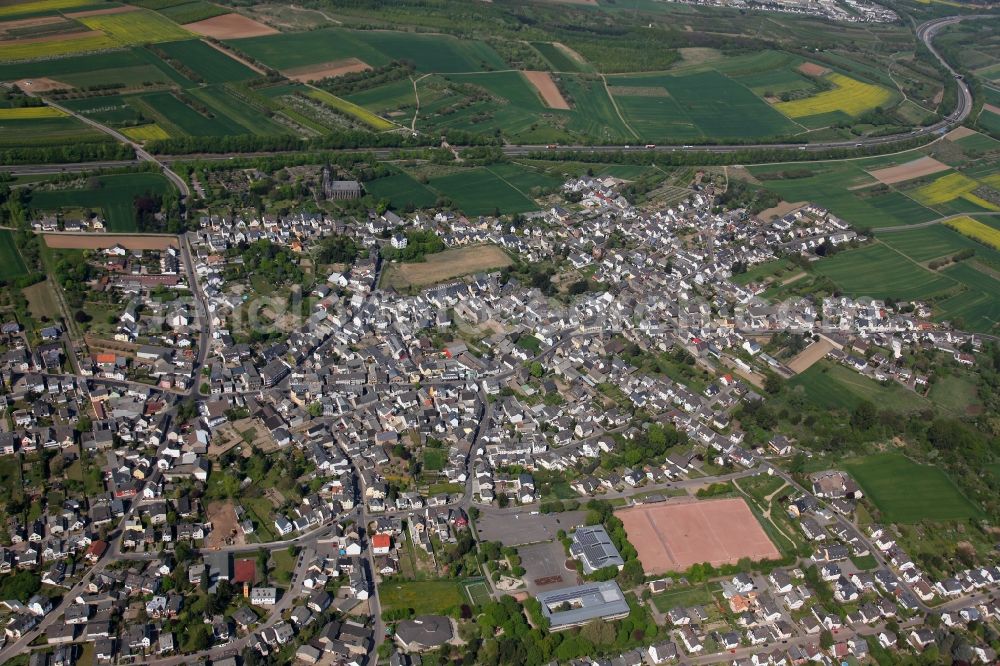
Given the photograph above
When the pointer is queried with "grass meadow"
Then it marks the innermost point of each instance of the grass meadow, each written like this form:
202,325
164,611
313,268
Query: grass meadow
114,198
835,386
907,492
11,264
423,596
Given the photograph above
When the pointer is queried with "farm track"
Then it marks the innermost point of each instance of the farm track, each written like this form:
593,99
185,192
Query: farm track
929,223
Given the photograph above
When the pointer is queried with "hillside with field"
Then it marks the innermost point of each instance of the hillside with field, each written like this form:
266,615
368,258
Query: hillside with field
183,76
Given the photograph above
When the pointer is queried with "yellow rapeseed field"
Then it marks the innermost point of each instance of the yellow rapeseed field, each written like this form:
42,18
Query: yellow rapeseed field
976,230
30,113
848,95
981,202
138,27
351,109
945,189
39,6
12,50
109,31
145,132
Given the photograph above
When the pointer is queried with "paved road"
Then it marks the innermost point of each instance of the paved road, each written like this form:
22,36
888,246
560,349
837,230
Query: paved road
203,314
111,555
140,152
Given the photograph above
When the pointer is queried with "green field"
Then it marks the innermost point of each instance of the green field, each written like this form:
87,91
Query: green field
57,131
402,191
511,86
480,192
388,97
434,460
114,197
978,307
906,492
189,12
11,264
480,102
595,112
847,190
881,272
779,268
429,53
506,181
290,50
212,65
525,178
559,59
865,562
965,293
112,110
423,597
957,394
833,386
282,565
130,69
228,107
934,242
178,117
712,104
683,598
772,82
978,143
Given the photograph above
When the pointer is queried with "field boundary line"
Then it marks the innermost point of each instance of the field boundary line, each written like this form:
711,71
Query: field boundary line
512,186
233,56
416,97
604,80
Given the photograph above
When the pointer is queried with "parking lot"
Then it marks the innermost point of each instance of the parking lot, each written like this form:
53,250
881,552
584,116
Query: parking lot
521,527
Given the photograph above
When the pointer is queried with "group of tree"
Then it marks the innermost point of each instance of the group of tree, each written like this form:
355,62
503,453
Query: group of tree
352,82
741,194
275,264
418,245
649,446
341,139
337,249
77,151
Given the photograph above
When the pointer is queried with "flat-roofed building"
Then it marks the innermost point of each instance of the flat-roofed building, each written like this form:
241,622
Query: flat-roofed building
580,604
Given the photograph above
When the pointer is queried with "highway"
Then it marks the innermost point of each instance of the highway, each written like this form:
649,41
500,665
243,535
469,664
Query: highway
925,33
